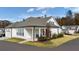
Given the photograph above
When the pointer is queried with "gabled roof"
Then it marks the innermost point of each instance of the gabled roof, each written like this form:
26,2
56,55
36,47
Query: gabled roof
31,21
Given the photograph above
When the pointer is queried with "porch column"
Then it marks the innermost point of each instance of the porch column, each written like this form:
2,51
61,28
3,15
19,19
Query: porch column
39,32
33,33
57,30
45,32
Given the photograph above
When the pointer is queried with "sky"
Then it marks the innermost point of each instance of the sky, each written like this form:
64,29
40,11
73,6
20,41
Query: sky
18,13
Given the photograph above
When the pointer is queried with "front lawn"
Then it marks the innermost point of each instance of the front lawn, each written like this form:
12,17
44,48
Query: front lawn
39,44
14,40
54,42
49,44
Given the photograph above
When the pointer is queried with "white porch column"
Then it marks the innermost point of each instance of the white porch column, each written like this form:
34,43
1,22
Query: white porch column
57,30
45,32
39,32
32,33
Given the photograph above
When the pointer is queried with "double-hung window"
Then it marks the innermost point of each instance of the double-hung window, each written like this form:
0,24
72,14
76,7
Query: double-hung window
20,31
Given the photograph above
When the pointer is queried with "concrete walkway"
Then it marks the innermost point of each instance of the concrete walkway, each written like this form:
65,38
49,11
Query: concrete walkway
2,38
22,42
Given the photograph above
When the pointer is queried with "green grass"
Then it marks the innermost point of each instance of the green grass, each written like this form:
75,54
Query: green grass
40,44
54,42
14,40
49,44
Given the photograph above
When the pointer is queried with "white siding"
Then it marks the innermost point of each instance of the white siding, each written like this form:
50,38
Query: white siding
8,32
14,32
78,29
54,21
70,29
55,31
27,33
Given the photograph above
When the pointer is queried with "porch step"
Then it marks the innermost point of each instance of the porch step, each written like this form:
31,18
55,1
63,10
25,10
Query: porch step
22,42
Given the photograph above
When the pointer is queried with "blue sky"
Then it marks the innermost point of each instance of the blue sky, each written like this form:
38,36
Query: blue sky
18,13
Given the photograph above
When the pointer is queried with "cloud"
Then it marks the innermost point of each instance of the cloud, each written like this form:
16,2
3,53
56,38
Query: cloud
75,10
30,10
66,7
41,8
44,12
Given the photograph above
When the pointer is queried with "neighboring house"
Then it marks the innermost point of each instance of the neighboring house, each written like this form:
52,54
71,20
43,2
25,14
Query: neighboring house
70,29
68,26
32,27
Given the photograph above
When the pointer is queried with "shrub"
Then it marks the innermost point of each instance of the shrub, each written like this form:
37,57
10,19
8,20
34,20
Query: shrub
54,36
43,38
77,31
57,36
60,35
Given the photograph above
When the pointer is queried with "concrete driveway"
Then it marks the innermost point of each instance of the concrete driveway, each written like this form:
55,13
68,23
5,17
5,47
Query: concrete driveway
8,46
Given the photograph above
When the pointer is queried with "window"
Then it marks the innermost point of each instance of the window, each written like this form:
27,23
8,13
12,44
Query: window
20,31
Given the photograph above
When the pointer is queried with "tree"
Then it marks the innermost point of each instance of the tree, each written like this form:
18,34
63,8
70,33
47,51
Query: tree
76,18
69,17
69,14
4,23
59,20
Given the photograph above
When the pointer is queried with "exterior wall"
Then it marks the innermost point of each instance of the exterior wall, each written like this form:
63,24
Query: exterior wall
55,30
78,28
28,35
14,32
54,21
8,32
70,29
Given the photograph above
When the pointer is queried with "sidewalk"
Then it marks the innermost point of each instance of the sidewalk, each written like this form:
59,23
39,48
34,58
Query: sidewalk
22,42
2,38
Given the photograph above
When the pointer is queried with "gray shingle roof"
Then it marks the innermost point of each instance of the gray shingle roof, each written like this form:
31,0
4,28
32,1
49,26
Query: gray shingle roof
31,21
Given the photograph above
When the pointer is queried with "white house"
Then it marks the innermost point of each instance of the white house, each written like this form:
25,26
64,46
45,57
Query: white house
70,29
32,27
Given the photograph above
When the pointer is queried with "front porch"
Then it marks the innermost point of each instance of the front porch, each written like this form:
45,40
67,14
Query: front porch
38,32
